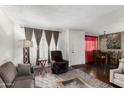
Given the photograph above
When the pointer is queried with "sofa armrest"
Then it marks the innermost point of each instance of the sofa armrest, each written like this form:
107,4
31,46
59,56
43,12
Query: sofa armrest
33,76
32,73
112,72
32,70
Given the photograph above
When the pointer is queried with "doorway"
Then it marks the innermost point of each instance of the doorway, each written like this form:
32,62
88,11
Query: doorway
91,45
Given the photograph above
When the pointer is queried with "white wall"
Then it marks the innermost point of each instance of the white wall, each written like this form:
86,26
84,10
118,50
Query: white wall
18,52
63,43
6,38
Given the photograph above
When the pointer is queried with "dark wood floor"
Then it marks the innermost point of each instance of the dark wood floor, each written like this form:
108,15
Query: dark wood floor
98,71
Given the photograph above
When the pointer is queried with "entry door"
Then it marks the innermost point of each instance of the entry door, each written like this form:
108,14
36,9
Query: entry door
76,47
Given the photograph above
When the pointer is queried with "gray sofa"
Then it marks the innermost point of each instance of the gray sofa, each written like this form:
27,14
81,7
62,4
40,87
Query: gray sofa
10,77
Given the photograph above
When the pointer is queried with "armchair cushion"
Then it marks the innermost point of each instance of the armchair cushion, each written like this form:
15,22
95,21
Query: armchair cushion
56,56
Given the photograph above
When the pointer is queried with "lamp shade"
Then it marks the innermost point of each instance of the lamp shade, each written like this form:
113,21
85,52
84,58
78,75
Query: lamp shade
25,43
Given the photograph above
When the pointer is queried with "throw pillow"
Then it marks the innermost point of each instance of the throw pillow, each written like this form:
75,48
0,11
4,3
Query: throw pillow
24,69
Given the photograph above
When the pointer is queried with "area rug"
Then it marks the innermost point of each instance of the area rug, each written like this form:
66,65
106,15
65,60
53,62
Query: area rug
50,80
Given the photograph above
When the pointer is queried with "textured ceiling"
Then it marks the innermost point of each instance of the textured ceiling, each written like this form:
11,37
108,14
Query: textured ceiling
94,19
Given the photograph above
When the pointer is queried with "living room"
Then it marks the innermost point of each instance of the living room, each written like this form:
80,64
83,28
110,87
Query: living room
53,46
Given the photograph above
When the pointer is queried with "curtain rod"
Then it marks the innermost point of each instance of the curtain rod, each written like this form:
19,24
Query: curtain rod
39,28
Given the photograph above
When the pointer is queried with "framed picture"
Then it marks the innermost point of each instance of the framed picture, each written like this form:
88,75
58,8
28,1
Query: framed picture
114,41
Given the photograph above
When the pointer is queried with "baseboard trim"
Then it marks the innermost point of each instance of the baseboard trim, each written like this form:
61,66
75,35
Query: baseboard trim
77,65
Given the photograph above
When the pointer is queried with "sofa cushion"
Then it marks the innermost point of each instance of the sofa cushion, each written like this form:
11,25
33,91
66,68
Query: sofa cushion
24,77
24,69
8,73
119,76
119,83
2,84
26,83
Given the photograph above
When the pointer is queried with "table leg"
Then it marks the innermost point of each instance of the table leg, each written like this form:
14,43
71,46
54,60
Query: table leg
43,65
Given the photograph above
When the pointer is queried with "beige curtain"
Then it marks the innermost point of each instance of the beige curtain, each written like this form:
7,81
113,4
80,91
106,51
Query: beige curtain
38,35
56,36
48,39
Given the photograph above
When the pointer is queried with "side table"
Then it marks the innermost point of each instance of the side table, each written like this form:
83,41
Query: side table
42,64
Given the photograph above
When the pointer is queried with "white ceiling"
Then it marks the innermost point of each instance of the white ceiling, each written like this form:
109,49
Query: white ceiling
94,19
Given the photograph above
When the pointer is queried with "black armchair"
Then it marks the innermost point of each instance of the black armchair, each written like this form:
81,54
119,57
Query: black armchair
59,65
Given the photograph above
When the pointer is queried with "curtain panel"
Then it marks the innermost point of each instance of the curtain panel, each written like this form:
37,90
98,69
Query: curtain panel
56,37
38,35
48,39
28,33
48,36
